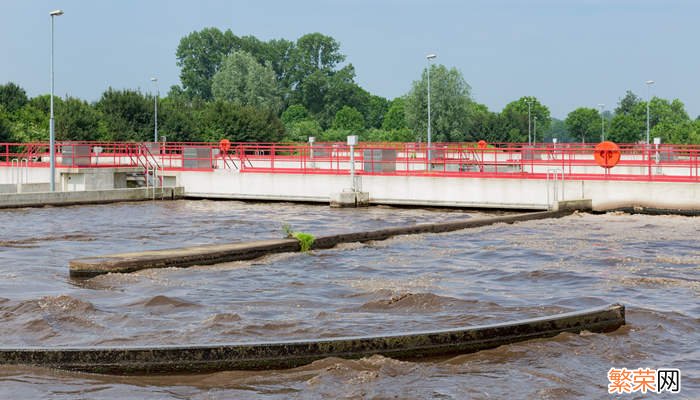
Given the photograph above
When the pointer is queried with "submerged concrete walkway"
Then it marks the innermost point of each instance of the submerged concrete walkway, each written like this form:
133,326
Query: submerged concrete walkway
289,354
219,253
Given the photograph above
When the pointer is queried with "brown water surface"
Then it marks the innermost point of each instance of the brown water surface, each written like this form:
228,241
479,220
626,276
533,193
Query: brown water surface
491,274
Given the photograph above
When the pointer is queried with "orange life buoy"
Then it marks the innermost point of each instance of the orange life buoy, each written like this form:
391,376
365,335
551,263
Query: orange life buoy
224,145
607,154
481,144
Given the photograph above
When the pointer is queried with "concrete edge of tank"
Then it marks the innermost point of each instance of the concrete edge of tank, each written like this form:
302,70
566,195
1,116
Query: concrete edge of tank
289,354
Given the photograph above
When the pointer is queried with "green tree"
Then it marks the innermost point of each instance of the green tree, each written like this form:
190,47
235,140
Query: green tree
684,132
324,94
348,118
299,131
584,124
625,128
77,120
294,113
200,55
30,123
5,125
222,119
450,103
395,117
278,53
128,115
242,80
484,125
393,135
558,129
627,104
12,97
179,119
514,119
314,52
377,107
627,125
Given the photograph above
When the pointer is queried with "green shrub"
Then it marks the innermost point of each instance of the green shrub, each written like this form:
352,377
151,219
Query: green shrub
306,240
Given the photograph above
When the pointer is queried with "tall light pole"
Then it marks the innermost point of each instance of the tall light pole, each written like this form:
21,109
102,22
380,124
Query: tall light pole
534,130
649,83
602,122
529,135
430,57
52,144
155,110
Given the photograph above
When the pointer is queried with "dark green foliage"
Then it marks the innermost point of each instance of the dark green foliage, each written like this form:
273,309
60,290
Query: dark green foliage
295,113
222,119
514,120
584,124
5,126
200,55
395,117
77,120
377,108
12,97
127,115
348,118
450,100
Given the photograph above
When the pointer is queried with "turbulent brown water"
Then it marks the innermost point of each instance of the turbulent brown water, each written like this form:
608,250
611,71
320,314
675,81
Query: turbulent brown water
492,274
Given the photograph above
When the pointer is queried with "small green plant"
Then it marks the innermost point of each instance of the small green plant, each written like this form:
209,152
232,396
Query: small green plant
287,229
306,240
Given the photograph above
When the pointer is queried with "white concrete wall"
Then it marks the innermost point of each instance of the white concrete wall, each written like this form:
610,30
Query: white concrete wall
24,175
415,190
442,191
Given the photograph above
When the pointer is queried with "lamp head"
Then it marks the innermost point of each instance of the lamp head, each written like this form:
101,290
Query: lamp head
650,82
431,56
56,13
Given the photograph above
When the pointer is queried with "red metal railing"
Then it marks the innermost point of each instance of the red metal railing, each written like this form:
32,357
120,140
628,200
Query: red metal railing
679,163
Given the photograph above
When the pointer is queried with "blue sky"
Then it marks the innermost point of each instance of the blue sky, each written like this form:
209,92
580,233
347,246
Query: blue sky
568,53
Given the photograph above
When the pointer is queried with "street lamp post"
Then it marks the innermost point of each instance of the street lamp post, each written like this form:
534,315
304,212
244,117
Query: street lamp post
52,144
534,130
602,122
430,57
155,111
529,135
649,83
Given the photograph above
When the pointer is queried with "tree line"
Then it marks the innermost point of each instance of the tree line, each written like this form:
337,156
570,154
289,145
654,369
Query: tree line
246,89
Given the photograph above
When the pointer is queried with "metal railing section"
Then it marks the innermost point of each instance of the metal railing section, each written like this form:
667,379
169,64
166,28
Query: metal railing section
639,162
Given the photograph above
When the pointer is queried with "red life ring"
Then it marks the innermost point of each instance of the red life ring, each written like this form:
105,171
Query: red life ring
607,154
224,145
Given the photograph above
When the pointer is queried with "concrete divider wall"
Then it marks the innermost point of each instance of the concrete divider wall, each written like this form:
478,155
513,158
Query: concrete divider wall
289,354
219,253
85,197
24,188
